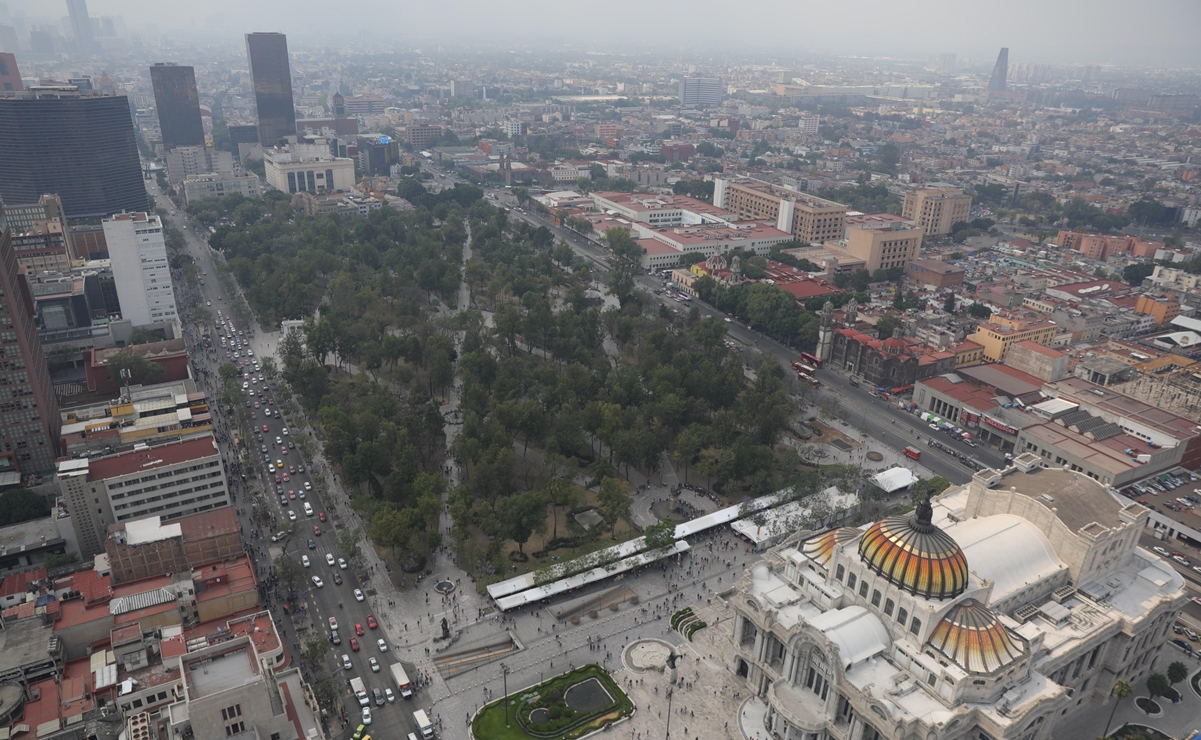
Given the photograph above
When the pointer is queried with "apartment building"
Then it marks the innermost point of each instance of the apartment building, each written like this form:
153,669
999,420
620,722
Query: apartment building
42,247
1161,308
220,184
150,547
138,251
999,336
169,481
810,219
881,240
187,161
937,209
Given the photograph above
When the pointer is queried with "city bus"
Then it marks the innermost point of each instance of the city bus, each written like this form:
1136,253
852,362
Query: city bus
807,378
811,359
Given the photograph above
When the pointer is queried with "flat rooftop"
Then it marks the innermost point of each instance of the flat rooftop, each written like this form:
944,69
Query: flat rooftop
156,457
23,642
1107,399
216,672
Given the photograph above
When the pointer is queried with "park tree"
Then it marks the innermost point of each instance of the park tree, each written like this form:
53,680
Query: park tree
348,540
1121,690
949,304
887,325
980,311
314,653
1157,685
1135,274
660,534
614,503
1177,672
521,516
559,492
21,505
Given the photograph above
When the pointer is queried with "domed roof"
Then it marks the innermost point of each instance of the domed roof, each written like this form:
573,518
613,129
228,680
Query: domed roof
821,547
915,555
972,636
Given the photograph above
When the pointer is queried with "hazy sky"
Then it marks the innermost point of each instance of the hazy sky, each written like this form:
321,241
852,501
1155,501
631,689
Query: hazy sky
1085,31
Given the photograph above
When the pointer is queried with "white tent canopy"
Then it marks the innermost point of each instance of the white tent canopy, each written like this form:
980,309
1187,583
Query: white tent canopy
894,479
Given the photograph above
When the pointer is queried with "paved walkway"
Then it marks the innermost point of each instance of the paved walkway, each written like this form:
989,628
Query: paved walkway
1179,720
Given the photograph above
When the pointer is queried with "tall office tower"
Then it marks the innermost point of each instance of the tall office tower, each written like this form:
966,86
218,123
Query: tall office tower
138,253
241,134
81,24
1000,72
10,76
178,105
29,421
78,145
703,92
272,80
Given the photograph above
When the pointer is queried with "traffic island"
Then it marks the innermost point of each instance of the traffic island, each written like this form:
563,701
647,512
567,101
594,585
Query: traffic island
567,706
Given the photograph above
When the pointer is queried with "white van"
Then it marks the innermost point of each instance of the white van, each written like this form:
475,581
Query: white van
308,509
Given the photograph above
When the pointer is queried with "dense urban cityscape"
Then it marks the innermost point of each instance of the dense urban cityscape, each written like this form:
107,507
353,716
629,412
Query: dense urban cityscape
310,330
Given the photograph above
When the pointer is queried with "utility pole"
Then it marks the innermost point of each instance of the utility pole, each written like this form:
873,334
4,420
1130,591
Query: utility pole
504,672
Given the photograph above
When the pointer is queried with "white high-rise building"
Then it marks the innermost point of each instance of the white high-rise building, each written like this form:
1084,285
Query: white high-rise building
137,249
703,92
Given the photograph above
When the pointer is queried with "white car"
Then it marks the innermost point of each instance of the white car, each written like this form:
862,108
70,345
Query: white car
318,582
329,558
366,715
246,386
383,646
346,662
278,441
333,624
292,514
308,486
358,595
342,563
284,431
304,560
1161,551
374,665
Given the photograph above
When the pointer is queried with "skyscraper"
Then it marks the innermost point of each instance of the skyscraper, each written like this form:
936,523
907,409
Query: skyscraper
81,24
272,79
703,92
10,76
78,145
178,105
138,251
29,420
1000,72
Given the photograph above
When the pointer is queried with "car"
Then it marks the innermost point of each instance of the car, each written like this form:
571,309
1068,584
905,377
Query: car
854,383
312,545
333,623
317,582
354,644
358,629
1178,559
1178,554
379,695
342,563
335,638
383,646
286,478
284,431
366,715
329,557
256,403
291,470
390,696
358,595
1178,628
374,666
372,624
291,494
283,500
1192,635
346,662
935,427
278,441
304,560
300,469
265,430
1182,645
283,450
246,386
321,516
337,578
279,464
1143,501
271,469
308,486
278,536
1161,551
291,515
278,480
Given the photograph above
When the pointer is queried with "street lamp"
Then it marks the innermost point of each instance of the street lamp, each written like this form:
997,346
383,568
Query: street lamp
504,672
670,693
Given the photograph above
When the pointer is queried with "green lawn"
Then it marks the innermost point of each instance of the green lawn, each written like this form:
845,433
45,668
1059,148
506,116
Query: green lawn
489,724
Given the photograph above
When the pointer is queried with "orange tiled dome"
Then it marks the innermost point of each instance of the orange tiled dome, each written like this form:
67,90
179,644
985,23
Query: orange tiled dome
821,548
915,555
972,636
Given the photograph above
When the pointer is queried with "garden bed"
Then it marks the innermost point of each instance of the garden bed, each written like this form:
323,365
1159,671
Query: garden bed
686,622
1138,732
1148,706
566,706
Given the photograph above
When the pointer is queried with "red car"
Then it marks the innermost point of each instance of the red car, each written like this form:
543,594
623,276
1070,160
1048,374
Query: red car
270,401
321,515
286,478
283,449
371,623
316,530
278,480
256,404
292,495
358,629
354,644
265,429
292,469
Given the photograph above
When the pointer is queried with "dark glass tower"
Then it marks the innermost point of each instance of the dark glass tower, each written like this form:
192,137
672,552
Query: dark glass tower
1000,72
81,24
80,146
178,105
272,79
29,420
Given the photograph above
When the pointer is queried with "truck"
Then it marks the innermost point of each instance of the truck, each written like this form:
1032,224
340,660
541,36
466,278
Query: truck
360,691
403,685
423,724
913,452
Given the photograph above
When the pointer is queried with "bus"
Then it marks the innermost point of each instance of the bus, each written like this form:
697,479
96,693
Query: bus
801,367
807,378
811,359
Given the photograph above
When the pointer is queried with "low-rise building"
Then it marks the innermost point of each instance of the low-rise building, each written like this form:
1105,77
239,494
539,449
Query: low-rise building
186,161
999,335
810,219
1042,362
935,273
219,184
300,168
144,548
42,246
170,481
1162,308
882,240
935,210
148,414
